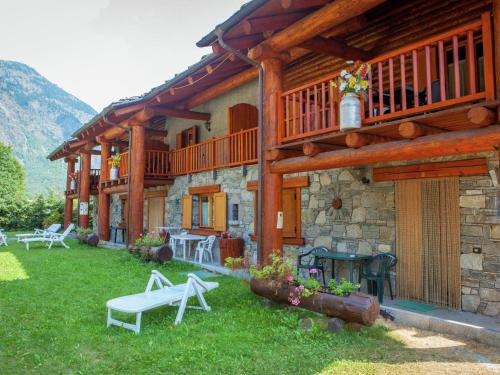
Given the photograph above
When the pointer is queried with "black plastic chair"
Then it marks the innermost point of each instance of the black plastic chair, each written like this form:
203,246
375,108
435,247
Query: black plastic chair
317,263
377,269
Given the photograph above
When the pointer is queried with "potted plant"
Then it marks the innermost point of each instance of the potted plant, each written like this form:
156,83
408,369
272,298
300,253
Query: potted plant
351,85
278,282
150,248
72,183
87,236
115,164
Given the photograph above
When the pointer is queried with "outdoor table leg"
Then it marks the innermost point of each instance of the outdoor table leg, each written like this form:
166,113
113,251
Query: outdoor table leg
333,269
184,249
351,275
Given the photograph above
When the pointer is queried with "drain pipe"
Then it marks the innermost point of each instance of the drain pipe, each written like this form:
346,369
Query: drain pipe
220,39
129,131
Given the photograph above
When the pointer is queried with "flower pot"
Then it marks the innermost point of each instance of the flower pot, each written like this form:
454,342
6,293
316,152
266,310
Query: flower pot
113,174
350,112
72,185
356,307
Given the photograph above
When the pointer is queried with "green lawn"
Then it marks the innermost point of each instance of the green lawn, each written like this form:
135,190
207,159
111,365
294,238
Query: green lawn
53,320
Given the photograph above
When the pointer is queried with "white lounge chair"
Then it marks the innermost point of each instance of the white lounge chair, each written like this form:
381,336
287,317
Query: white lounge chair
167,294
53,228
3,238
205,247
50,239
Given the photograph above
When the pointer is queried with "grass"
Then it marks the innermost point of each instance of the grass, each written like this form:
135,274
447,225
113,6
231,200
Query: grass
52,321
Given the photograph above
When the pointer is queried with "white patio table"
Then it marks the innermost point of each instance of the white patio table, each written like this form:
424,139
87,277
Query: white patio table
185,238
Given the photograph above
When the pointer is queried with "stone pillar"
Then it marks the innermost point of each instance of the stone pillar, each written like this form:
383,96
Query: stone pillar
136,175
68,204
84,195
272,238
103,202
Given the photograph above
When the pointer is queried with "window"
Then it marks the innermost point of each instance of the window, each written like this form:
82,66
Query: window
205,208
292,222
242,116
187,137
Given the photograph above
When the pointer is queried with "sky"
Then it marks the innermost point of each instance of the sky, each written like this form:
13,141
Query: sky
104,50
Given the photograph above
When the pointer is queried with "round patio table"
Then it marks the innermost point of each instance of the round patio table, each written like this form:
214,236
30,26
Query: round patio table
347,257
185,238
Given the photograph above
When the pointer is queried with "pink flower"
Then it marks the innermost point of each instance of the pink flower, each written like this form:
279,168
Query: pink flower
289,278
296,289
313,271
301,287
291,294
295,301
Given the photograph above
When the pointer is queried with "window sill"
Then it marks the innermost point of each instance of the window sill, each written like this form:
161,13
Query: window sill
286,241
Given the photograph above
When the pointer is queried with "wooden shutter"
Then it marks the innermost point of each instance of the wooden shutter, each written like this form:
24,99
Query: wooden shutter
187,211
178,140
220,212
241,117
289,213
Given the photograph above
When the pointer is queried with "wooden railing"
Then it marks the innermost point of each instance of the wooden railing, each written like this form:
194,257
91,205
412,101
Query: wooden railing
452,68
228,151
94,179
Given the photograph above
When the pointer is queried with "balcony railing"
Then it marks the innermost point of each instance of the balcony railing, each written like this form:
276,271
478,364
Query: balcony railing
94,180
228,151
452,68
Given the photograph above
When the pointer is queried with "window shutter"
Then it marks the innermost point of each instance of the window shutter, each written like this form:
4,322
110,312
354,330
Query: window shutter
178,140
187,212
241,117
220,212
289,213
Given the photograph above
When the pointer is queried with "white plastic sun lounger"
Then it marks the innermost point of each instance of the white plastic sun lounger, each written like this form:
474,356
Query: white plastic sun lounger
50,238
167,294
53,228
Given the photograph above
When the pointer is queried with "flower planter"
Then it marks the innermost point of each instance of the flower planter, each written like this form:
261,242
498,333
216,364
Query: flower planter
72,185
357,307
113,174
90,239
350,112
230,247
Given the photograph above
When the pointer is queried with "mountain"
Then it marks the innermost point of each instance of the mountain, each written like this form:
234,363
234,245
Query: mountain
35,117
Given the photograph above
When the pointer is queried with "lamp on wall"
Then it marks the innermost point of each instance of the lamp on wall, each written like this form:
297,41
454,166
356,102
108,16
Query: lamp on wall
207,125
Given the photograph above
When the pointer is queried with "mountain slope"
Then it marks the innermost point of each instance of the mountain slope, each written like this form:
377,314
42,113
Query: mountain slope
35,117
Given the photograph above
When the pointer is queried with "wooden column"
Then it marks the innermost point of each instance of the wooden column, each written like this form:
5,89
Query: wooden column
68,204
103,208
136,175
271,183
496,44
84,196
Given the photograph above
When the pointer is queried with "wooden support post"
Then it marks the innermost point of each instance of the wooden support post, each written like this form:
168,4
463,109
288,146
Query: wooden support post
136,175
271,183
312,149
103,208
357,140
412,130
496,42
482,116
68,204
84,196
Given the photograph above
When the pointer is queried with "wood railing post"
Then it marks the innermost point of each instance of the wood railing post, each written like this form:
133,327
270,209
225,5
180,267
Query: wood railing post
496,41
68,204
489,74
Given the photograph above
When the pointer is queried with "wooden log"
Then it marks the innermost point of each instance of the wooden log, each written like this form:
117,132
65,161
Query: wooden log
301,4
357,307
436,145
349,27
242,42
221,88
270,23
142,116
481,116
312,149
160,254
68,203
104,199
357,140
328,16
412,130
179,113
136,175
280,154
84,187
335,48
496,39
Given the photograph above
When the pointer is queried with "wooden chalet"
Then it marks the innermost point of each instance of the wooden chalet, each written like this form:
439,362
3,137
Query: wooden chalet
419,179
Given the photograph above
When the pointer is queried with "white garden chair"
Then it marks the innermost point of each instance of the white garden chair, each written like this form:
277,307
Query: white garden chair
3,238
50,239
166,294
205,247
53,228
173,242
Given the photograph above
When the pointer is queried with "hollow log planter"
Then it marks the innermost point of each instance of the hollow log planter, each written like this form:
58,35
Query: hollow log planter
357,307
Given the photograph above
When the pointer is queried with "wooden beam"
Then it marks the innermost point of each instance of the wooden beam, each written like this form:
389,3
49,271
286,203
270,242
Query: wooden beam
412,130
312,149
155,133
179,113
279,154
335,48
316,23
242,42
128,109
302,4
481,116
288,183
349,27
220,88
271,23
357,140
142,116
436,145
204,189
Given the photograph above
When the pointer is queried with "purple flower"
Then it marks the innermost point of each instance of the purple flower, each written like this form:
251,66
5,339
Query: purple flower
295,301
291,294
301,287
313,271
289,278
296,288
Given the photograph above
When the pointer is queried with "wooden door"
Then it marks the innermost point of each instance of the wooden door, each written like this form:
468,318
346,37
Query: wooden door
289,213
428,241
242,116
156,213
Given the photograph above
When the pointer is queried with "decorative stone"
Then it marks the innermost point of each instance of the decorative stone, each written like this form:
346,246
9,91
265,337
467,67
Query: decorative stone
489,294
321,218
323,241
471,230
372,200
315,187
358,215
335,325
345,176
473,201
470,303
471,261
325,179
309,323
495,232
354,231
466,290
384,248
354,326
313,202
492,309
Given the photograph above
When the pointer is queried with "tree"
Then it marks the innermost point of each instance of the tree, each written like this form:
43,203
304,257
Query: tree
12,186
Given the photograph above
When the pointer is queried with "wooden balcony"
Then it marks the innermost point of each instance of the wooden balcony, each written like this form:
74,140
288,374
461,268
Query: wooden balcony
449,70
94,183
